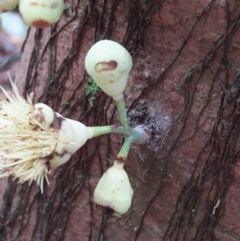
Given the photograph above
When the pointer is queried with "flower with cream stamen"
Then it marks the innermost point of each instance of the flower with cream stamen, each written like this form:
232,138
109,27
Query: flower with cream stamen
114,190
33,138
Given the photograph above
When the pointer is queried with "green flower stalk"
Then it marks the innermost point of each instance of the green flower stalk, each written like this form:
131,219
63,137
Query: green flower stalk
122,112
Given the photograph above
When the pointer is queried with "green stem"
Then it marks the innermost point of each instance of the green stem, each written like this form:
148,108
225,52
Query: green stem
130,134
122,112
122,155
101,130
127,132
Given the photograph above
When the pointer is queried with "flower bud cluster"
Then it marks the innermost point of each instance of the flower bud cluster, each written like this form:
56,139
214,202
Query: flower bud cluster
35,139
109,63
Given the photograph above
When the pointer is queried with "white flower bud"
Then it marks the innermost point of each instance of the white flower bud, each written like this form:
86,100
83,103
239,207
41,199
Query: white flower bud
82,133
8,5
71,136
109,63
114,190
44,115
41,13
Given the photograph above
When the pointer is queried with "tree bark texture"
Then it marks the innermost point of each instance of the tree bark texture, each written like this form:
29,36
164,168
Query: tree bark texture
184,86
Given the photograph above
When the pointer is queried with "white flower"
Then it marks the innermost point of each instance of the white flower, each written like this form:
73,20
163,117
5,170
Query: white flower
8,5
33,138
109,63
114,190
41,13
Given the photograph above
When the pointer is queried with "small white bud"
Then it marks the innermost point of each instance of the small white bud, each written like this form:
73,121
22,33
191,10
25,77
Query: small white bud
43,114
41,13
82,133
109,63
8,5
71,136
114,190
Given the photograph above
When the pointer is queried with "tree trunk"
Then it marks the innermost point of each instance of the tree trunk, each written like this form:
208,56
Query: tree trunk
184,86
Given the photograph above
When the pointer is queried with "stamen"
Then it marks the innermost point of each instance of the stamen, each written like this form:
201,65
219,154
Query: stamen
24,142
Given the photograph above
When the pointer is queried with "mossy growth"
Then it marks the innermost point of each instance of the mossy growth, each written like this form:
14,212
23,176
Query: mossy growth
91,91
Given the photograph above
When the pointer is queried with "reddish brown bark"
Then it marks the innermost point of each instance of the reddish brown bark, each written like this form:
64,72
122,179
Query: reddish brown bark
184,86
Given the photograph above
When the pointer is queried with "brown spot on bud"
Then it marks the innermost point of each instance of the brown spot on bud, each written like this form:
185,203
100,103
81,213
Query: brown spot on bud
121,160
33,4
48,159
113,64
64,153
40,117
60,154
56,124
60,120
53,5
40,23
106,66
